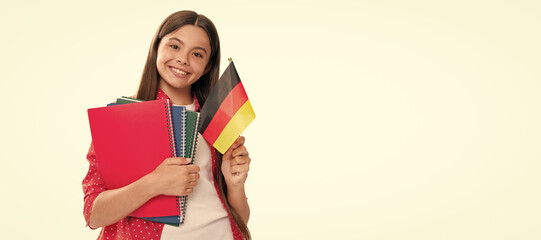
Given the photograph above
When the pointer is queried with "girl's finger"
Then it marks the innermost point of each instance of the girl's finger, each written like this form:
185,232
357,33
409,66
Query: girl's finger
241,150
240,160
187,191
192,184
176,161
239,141
240,169
193,177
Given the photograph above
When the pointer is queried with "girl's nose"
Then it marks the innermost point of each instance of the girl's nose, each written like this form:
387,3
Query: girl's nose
183,59
182,62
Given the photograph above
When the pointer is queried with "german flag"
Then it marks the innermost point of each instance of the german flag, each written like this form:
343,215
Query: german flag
226,112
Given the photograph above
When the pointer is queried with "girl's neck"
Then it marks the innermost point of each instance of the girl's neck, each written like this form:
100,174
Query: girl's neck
177,96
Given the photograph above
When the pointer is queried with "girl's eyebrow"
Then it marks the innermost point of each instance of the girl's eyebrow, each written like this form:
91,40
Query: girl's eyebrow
182,43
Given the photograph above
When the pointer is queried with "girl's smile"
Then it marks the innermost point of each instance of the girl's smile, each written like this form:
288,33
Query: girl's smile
179,73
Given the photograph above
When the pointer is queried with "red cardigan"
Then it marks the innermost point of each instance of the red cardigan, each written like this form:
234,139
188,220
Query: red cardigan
130,227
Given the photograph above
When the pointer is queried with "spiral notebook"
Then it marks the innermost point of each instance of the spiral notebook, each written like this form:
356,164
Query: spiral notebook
186,125
179,126
130,141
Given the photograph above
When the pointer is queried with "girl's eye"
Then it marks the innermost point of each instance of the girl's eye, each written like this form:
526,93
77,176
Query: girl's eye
198,55
174,47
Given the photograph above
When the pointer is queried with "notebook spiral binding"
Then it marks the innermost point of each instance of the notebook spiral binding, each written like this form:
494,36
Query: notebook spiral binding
183,133
190,154
182,199
197,124
169,116
170,128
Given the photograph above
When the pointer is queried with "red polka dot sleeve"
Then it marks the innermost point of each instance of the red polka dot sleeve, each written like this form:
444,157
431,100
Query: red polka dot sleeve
92,184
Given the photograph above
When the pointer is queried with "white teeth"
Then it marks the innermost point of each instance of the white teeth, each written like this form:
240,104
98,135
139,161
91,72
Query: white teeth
178,71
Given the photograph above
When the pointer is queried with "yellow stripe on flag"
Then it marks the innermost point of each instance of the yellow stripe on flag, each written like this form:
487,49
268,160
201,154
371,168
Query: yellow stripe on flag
244,116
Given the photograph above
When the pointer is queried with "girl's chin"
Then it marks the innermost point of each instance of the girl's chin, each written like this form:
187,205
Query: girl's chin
177,84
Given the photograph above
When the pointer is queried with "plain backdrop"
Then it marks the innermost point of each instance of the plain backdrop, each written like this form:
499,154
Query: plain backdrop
375,119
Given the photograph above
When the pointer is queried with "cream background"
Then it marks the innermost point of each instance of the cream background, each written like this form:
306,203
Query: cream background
375,119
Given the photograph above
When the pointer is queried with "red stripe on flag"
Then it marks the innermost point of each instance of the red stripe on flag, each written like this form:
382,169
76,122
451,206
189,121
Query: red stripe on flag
231,104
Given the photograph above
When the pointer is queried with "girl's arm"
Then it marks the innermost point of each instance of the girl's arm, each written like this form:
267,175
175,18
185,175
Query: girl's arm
112,205
171,177
235,167
238,200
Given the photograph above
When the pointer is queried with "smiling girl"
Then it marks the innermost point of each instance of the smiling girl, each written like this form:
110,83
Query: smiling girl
182,65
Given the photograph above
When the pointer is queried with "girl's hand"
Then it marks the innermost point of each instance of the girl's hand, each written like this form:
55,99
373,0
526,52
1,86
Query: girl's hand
174,177
236,163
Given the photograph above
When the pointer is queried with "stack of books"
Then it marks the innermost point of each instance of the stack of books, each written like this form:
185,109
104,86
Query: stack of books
132,137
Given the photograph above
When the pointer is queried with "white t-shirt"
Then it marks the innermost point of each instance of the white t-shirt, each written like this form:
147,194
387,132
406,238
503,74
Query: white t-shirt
205,217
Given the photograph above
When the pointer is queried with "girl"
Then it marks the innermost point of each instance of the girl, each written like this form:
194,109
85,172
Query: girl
182,65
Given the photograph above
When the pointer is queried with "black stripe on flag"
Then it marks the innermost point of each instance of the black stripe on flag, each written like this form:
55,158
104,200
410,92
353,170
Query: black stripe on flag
229,79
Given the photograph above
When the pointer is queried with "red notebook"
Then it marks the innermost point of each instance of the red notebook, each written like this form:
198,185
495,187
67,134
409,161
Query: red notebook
130,141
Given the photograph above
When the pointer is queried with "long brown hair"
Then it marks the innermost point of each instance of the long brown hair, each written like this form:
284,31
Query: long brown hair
150,78
201,88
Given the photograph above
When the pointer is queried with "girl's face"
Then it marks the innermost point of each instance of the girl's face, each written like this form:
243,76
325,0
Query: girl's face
183,56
